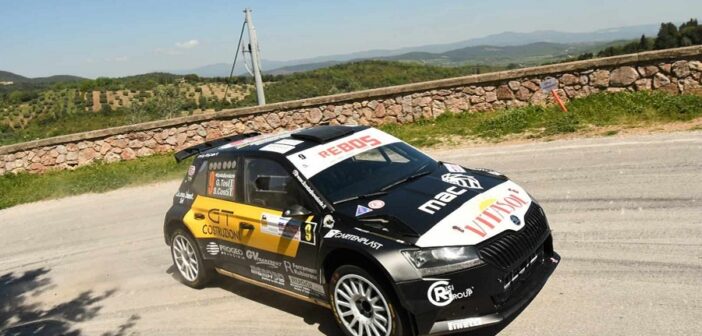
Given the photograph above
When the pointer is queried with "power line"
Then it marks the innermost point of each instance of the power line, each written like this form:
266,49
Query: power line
236,55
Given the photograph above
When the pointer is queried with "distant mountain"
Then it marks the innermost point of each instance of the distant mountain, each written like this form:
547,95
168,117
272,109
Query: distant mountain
12,77
496,40
528,54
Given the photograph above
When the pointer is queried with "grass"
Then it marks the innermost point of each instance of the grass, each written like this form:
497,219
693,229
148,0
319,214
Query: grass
101,177
605,109
621,109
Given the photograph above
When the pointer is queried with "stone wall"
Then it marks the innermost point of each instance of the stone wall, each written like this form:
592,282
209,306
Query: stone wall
675,71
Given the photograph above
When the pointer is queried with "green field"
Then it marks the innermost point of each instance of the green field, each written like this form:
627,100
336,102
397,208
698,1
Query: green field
620,109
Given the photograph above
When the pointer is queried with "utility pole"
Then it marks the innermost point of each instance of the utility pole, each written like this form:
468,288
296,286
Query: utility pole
255,57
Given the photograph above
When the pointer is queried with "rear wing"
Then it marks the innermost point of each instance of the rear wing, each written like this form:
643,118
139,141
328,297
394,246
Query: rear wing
207,145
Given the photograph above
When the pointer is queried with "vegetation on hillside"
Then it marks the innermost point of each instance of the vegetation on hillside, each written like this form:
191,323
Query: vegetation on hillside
669,36
357,76
618,109
106,102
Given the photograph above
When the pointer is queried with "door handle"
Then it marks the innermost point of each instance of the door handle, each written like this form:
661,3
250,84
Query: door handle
199,216
246,226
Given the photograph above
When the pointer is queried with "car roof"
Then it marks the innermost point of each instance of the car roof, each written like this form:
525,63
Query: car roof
285,143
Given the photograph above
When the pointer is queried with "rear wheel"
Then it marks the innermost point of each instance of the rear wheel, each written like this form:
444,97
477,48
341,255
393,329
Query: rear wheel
187,259
362,306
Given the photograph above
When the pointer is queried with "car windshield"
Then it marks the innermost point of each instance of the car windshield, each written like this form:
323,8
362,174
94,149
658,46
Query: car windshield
371,171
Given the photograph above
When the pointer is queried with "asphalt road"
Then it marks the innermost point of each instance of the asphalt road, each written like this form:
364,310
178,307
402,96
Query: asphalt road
626,215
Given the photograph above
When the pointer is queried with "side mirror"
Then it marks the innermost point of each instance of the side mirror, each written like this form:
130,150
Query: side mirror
296,211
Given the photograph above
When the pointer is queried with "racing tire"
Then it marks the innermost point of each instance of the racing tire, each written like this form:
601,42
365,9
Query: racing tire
363,306
190,266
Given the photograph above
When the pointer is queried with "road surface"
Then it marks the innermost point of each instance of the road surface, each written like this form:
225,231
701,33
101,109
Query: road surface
626,215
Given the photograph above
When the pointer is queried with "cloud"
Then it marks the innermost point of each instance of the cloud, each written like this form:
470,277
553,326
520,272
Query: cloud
117,59
169,52
187,44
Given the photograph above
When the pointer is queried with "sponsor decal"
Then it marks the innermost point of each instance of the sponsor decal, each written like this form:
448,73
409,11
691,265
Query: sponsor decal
515,220
256,140
309,189
277,148
184,196
280,226
328,221
454,168
361,210
321,157
268,275
376,204
221,183
441,293
305,286
290,142
478,219
217,231
441,200
212,248
354,238
489,171
462,180
191,170
464,323
230,251
219,216
493,212
207,155
288,228
256,257
300,270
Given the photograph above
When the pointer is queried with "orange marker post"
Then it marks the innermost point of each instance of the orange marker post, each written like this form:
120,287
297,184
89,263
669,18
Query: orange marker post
559,101
551,84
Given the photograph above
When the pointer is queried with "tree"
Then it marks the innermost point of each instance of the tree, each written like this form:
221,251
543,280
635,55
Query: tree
668,36
691,33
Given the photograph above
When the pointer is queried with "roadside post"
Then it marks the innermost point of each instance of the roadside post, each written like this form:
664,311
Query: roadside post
550,84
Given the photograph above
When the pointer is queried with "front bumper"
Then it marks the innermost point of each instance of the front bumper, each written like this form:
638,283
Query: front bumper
479,297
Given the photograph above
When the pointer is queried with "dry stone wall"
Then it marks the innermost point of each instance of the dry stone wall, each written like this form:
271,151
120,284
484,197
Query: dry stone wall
674,71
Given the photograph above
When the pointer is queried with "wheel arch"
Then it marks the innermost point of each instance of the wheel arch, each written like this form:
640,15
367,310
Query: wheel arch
170,226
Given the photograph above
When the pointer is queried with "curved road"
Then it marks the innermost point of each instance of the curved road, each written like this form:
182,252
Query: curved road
626,215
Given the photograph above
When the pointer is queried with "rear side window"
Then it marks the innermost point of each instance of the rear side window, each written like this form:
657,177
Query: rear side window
217,178
221,179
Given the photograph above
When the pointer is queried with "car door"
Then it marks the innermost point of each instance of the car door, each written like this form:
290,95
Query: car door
211,215
280,250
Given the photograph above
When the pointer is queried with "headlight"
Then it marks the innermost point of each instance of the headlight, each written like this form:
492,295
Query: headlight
443,259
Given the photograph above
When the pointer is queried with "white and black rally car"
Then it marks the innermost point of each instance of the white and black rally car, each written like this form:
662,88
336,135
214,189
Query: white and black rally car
356,220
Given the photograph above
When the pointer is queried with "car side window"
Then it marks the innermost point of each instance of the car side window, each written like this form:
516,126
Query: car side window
199,185
221,179
268,185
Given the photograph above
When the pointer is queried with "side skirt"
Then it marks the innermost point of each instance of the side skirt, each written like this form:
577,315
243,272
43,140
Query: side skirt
273,288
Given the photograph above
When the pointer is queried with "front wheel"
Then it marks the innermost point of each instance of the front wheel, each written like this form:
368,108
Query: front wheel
191,267
362,306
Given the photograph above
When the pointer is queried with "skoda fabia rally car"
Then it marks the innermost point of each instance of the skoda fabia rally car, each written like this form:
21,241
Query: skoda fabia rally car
355,220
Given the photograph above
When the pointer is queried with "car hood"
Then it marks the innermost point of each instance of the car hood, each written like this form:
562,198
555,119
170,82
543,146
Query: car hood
446,208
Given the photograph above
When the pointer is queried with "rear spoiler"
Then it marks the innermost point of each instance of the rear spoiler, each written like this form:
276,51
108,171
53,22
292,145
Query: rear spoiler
207,145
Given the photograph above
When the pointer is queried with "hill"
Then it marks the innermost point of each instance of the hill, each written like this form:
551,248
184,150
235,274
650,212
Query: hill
529,54
12,77
498,40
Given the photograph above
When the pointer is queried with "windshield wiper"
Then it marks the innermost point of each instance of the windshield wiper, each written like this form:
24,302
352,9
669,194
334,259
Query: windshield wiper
417,174
368,195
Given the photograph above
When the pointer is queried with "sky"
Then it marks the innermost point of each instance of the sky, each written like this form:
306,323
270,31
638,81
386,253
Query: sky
93,38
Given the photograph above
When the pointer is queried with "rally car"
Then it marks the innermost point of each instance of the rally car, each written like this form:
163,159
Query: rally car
358,221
